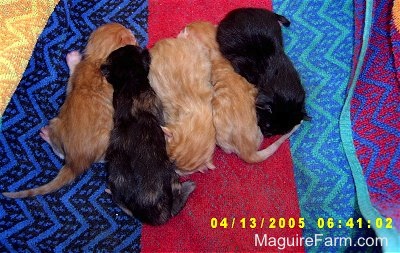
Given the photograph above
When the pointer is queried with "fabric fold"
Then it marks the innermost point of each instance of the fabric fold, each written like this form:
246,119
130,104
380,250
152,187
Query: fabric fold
352,124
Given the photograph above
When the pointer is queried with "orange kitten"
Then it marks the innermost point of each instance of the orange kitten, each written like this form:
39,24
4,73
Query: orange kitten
234,112
180,75
81,131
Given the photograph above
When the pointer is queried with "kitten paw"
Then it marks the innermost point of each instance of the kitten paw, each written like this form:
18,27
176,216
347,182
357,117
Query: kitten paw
188,187
210,165
204,168
73,58
227,151
44,133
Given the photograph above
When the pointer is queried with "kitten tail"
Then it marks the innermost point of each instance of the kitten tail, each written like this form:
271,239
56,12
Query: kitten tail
262,155
65,176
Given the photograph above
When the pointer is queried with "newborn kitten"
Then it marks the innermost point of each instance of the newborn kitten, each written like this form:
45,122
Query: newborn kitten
251,39
142,179
81,131
234,112
180,75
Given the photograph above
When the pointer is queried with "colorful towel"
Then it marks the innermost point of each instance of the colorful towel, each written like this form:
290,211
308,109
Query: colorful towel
80,217
374,106
395,36
320,41
21,23
219,214
376,117
327,42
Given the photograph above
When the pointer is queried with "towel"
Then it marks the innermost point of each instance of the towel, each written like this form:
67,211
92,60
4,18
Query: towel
233,206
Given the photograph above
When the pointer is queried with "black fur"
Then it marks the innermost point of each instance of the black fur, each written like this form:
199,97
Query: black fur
251,39
141,177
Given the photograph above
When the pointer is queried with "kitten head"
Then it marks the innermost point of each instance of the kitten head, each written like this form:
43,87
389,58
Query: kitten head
151,192
106,39
127,64
279,115
204,32
157,210
281,99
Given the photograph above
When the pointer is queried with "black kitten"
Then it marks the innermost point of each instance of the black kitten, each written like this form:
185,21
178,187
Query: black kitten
251,39
141,177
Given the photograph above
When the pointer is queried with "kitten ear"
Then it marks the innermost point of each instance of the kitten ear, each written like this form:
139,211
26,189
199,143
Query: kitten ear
128,40
146,59
183,33
283,20
108,191
263,103
306,117
105,70
168,133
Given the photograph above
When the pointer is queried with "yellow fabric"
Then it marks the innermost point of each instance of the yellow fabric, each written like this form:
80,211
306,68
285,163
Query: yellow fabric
396,14
21,22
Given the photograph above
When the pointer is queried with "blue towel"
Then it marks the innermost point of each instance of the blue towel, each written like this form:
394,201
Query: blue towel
80,217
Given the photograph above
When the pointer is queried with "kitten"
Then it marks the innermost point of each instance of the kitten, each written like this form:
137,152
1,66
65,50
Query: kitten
180,75
251,39
234,113
142,179
81,131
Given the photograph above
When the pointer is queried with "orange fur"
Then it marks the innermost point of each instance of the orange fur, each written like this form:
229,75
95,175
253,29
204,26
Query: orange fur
234,112
180,75
82,128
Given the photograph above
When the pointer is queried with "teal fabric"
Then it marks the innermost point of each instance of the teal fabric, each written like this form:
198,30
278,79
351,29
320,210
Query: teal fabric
320,42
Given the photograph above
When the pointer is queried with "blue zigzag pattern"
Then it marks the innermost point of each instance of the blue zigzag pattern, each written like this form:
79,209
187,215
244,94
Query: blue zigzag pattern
80,217
320,43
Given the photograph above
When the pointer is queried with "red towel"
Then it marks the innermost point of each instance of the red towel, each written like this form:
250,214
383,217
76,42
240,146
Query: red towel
235,192
168,17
